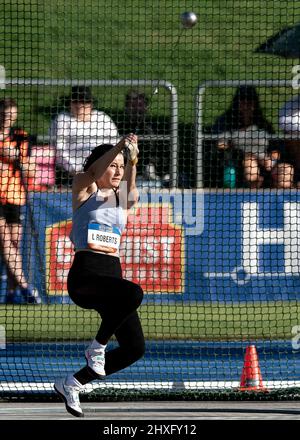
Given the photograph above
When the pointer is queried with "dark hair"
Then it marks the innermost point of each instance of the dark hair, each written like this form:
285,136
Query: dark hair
135,94
245,93
81,94
96,154
232,116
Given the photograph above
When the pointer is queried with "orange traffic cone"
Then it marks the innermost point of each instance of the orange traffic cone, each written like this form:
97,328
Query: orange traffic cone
251,379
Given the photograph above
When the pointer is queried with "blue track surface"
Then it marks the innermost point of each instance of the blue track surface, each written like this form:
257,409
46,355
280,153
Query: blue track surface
164,361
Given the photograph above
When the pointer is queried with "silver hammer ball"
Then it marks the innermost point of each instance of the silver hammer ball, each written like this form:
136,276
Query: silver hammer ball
188,19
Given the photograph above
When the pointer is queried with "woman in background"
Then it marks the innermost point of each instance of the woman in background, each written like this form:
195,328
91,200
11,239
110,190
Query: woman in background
244,131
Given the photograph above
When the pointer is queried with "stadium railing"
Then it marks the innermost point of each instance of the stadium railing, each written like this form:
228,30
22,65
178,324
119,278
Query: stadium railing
154,84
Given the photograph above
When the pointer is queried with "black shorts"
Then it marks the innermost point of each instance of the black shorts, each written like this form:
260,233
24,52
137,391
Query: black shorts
11,213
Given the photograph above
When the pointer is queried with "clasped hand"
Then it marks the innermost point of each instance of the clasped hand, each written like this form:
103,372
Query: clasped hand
131,144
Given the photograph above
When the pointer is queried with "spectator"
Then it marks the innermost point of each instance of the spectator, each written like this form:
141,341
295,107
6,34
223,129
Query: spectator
289,122
252,173
154,158
283,176
15,166
74,134
289,117
245,132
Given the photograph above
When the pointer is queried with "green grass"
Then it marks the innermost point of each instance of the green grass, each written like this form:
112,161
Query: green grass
272,320
133,39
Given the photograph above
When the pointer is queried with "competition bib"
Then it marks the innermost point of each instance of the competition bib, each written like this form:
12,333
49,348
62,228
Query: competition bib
103,238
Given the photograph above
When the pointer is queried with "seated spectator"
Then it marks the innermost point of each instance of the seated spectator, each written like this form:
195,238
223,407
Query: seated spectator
289,117
15,168
252,174
154,157
75,133
289,122
283,176
244,128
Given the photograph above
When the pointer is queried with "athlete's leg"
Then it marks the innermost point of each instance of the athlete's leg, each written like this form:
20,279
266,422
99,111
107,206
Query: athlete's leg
117,310
114,298
131,345
131,348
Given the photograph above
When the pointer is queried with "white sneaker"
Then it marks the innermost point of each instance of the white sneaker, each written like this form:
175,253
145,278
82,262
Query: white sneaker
95,358
70,395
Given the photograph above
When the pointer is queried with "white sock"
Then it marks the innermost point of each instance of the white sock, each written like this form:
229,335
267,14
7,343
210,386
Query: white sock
95,344
72,381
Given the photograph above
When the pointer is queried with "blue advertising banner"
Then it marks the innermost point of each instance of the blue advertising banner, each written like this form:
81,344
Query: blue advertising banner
252,245
188,245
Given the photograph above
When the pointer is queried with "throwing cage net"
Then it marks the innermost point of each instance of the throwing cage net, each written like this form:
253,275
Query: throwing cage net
213,96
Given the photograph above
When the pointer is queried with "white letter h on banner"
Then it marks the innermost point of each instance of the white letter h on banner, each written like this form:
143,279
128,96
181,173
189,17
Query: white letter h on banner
253,236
